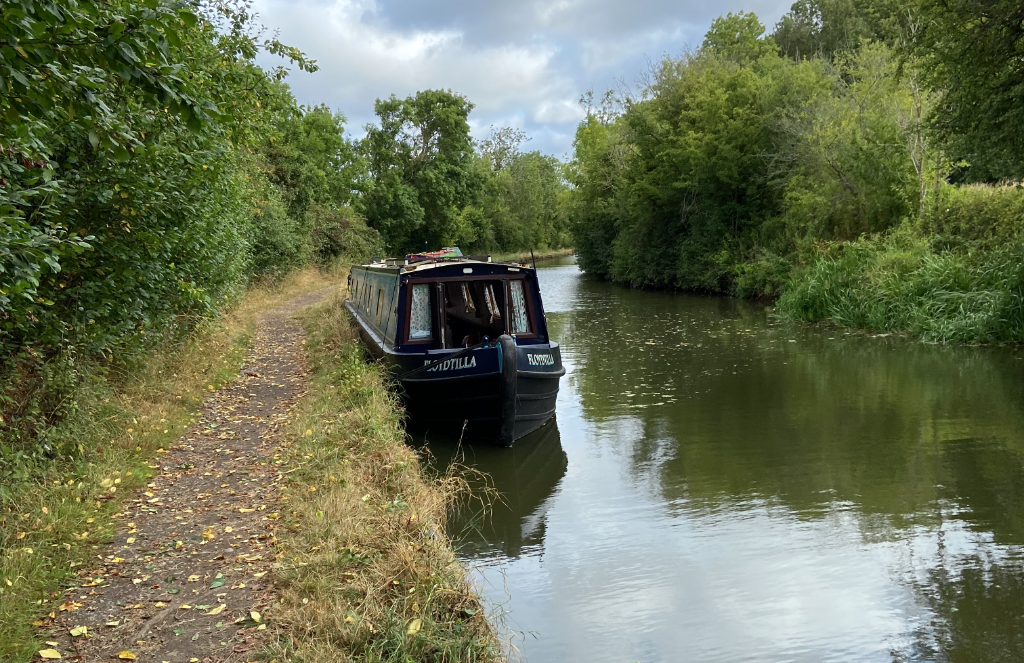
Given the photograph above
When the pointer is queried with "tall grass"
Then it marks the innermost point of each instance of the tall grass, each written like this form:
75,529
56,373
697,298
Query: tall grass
956,275
366,570
902,282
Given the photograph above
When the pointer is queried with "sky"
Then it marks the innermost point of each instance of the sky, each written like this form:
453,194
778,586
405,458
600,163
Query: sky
523,63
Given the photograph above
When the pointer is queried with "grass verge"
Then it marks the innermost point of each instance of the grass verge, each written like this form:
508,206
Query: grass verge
540,254
365,569
61,512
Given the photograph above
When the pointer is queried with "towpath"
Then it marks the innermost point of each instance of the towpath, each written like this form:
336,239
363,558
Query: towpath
187,578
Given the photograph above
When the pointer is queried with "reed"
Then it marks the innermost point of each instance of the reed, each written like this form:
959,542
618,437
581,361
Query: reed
909,283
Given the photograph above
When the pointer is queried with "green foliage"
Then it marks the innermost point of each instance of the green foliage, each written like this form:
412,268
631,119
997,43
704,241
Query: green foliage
676,189
149,169
735,160
518,205
847,156
899,282
420,162
976,217
973,54
311,161
340,232
826,28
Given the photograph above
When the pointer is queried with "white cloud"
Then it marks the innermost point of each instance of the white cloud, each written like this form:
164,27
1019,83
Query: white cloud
522,64
558,112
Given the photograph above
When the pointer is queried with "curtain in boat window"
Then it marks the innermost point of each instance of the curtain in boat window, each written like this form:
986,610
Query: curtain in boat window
467,297
520,320
420,326
492,302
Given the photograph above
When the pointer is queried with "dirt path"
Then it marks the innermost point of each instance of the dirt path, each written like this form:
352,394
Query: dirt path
188,577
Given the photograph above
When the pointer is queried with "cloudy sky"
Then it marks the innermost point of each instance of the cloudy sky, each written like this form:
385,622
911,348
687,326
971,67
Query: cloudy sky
523,63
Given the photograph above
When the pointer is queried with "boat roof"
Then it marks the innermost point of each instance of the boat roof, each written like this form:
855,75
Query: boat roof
406,267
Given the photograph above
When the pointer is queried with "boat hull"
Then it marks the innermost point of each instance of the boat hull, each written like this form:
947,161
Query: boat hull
495,393
485,406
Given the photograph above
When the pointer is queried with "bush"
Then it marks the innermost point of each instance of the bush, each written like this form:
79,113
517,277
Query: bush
899,282
340,233
764,277
987,216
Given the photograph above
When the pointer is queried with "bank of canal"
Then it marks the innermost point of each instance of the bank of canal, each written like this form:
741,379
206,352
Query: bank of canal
725,487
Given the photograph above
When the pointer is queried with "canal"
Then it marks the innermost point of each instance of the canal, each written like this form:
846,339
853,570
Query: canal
723,486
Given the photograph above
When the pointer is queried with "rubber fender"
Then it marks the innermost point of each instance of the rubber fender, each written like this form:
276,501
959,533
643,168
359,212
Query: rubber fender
509,384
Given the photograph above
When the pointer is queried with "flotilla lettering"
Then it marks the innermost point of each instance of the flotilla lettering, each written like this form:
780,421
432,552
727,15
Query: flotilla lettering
540,360
456,364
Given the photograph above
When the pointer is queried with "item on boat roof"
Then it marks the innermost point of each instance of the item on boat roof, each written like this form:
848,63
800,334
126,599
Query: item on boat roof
446,252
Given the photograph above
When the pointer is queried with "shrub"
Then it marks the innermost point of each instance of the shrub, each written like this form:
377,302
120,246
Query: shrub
338,233
899,282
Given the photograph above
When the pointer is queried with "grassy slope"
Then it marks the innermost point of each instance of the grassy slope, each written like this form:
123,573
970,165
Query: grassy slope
366,570
901,283
540,254
50,526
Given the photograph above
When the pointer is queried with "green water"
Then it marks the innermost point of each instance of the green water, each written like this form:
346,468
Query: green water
721,486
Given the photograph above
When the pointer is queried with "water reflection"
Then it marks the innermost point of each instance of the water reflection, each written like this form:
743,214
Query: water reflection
514,485
739,489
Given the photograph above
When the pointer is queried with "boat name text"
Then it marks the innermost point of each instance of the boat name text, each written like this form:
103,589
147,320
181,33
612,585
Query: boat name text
540,360
456,364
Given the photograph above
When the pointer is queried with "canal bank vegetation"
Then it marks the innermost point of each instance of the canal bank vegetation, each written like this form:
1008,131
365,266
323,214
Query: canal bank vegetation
859,164
367,570
157,189
55,517
151,172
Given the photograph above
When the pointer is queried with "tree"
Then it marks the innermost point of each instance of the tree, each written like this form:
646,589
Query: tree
974,53
419,162
501,147
738,37
826,28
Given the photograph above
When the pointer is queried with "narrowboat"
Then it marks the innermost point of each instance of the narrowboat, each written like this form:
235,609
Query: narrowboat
465,339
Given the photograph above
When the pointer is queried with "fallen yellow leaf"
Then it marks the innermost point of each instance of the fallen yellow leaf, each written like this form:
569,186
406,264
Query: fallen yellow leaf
414,627
79,630
126,655
49,653
255,616
113,623
219,609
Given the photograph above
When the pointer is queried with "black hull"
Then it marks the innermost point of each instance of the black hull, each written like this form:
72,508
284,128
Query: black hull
496,392
471,406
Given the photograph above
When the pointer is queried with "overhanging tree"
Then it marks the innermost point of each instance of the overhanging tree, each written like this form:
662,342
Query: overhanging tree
420,166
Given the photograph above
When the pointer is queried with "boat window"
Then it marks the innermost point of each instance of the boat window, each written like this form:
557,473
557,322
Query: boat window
520,320
380,303
420,323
